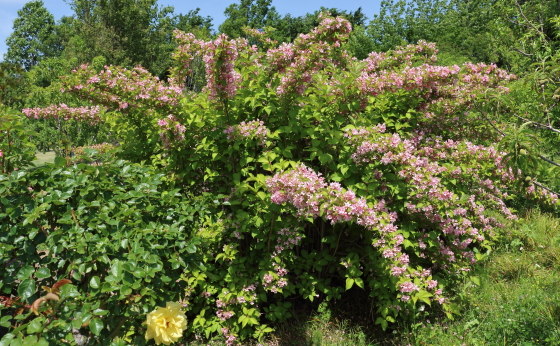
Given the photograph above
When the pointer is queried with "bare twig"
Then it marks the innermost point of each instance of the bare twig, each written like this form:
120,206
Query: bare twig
503,134
522,52
490,122
537,123
545,188
539,30
549,161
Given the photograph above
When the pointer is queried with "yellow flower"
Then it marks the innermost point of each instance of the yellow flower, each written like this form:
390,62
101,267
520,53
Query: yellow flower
166,325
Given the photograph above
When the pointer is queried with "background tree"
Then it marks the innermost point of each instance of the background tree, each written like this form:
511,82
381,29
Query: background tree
125,32
404,22
290,27
193,22
34,36
11,76
256,14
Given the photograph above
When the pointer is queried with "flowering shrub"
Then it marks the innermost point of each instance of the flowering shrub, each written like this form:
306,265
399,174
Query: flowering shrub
327,172
251,130
87,114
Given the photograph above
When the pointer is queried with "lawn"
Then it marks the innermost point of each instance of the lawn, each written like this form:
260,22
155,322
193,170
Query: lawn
42,158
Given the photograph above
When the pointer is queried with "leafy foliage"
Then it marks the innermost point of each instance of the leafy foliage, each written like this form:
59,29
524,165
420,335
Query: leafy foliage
16,150
33,38
327,174
126,33
296,172
117,232
254,14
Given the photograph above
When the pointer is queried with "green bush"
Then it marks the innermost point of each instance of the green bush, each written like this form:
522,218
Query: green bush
121,235
16,150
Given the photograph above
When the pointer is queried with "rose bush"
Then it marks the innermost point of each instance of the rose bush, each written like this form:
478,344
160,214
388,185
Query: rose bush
117,234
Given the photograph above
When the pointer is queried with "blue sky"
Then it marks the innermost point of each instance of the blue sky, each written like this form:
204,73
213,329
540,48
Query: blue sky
212,8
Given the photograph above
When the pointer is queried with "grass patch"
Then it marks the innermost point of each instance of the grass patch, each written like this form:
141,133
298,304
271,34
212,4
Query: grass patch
518,302
43,158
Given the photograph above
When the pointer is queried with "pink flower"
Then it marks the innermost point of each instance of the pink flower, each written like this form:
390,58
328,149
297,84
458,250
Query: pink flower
408,287
432,284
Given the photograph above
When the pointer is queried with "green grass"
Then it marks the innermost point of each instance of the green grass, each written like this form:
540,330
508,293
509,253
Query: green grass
47,157
518,302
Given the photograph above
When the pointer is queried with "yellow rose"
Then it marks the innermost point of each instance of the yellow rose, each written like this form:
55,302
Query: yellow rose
166,325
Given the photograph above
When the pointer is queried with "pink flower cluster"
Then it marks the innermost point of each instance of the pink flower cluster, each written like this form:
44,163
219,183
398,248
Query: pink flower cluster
313,197
275,281
299,61
62,111
428,166
412,54
539,194
220,57
188,48
445,90
295,62
230,337
171,131
286,240
224,315
119,88
251,129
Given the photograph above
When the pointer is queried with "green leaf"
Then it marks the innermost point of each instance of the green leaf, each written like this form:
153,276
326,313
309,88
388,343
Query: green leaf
25,272
26,289
475,280
383,322
35,326
43,273
262,195
30,340
191,248
95,282
100,312
59,161
96,325
116,269
5,321
359,282
349,283
7,339
42,342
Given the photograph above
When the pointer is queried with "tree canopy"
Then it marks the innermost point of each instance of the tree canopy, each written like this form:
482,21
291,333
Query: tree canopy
256,14
33,37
